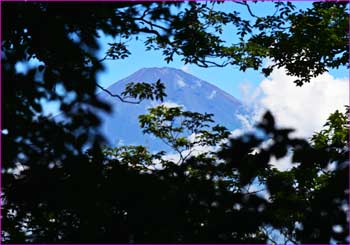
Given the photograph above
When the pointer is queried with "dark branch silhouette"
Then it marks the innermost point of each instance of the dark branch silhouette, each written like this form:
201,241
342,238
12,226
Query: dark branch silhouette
122,99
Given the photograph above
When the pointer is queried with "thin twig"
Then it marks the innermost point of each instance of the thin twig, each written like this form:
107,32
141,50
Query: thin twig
151,24
267,234
204,63
118,96
103,59
254,192
248,8
288,237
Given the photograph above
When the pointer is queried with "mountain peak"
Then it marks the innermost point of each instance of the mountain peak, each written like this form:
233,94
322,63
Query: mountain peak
175,80
182,89
160,71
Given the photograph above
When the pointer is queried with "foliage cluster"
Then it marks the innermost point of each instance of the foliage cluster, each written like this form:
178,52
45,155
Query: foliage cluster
54,191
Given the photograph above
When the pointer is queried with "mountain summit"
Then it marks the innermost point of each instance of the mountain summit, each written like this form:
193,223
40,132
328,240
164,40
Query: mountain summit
182,89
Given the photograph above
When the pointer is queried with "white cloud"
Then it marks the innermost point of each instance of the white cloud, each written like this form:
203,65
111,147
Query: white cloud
236,133
249,94
284,163
173,157
171,104
303,108
246,123
194,151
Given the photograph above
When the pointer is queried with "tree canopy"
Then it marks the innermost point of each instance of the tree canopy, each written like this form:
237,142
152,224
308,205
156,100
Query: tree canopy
53,190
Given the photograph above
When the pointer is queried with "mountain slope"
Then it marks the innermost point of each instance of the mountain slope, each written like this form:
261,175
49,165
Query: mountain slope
121,126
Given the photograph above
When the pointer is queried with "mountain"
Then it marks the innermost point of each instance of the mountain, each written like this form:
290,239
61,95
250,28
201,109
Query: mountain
121,127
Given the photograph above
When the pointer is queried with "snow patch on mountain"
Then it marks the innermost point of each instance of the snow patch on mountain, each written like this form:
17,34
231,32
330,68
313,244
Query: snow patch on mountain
181,83
198,84
212,95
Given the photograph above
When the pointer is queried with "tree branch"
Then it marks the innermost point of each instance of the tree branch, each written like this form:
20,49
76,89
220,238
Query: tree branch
118,96
152,24
288,237
268,237
248,8
254,192
208,63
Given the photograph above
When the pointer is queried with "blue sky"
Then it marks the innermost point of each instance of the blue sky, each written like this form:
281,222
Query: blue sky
332,95
229,78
